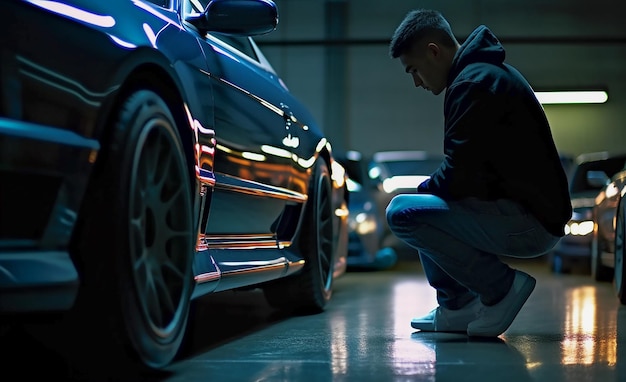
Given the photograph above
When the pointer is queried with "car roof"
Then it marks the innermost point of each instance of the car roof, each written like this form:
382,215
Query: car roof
597,156
609,164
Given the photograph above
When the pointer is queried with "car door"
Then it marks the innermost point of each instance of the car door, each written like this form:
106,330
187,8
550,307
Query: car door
253,157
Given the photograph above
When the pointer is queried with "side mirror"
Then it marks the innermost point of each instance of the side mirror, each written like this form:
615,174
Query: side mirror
241,17
597,179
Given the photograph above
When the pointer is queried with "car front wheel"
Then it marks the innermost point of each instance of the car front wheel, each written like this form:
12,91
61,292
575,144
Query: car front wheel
136,242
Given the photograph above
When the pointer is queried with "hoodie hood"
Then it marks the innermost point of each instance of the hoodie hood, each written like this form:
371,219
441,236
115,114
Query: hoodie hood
481,46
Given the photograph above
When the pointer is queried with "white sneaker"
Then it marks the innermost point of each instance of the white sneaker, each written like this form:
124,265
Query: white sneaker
441,319
494,320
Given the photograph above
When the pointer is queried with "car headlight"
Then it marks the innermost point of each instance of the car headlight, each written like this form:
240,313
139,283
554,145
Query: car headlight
363,223
579,228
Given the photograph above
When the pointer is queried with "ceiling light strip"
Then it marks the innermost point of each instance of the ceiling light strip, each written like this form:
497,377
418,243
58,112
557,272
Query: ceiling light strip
569,97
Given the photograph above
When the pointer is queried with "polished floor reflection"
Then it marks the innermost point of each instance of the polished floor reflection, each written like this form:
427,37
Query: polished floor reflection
571,329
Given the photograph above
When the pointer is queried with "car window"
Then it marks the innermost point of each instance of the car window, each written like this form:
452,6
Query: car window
160,3
610,166
195,6
241,43
420,167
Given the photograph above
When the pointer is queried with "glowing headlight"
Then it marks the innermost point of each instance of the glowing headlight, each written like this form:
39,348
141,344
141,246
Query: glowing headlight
579,228
363,223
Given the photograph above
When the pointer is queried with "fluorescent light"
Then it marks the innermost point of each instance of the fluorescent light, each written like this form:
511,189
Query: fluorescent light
572,97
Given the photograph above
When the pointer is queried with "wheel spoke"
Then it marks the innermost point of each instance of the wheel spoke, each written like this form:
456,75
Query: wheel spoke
150,157
160,230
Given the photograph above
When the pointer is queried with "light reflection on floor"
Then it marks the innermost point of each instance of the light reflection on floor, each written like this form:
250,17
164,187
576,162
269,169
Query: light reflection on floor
567,331
409,357
571,329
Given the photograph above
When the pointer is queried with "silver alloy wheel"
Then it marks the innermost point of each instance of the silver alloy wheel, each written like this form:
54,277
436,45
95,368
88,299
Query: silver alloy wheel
160,230
135,243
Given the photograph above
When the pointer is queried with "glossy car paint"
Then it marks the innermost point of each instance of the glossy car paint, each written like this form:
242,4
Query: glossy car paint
620,249
250,146
605,218
576,245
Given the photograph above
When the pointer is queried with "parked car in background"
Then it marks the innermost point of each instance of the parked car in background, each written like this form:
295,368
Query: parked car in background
366,226
575,247
150,155
609,237
604,216
396,172
619,247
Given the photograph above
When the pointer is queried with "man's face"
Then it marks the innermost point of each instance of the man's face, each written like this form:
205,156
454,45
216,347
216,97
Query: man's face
427,67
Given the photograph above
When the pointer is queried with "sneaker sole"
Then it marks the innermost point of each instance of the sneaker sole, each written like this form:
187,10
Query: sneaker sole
525,292
431,328
423,327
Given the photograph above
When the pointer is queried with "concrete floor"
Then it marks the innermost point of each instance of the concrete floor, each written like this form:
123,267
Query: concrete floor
571,329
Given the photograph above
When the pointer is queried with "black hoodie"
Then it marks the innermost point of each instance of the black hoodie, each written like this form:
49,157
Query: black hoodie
497,140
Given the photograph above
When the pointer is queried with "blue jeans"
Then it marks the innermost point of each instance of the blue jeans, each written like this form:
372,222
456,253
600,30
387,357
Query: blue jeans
459,243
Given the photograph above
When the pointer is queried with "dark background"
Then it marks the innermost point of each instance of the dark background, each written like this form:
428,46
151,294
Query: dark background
333,54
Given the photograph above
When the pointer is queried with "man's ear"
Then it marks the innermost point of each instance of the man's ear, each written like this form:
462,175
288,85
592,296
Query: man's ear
433,50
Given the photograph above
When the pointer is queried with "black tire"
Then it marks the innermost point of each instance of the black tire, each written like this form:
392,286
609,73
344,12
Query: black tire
135,245
620,251
599,271
310,290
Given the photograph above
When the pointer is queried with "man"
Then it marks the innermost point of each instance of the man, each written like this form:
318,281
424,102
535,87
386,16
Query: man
500,191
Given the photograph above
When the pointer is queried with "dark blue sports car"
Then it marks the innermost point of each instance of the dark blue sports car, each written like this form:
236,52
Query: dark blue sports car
149,155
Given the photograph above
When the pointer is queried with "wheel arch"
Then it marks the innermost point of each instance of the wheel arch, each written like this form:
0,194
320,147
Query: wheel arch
157,79
152,76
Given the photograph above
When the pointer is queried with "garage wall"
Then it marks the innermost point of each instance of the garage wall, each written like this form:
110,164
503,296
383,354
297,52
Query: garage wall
333,54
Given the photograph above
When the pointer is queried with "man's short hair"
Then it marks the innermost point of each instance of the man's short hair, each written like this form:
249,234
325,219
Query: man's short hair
417,25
